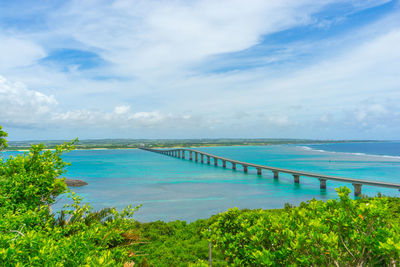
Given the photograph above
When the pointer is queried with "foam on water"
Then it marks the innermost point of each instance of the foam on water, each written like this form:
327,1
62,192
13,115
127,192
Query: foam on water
389,149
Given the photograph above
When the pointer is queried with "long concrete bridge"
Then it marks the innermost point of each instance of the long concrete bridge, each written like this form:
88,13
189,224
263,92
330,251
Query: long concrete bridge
181,153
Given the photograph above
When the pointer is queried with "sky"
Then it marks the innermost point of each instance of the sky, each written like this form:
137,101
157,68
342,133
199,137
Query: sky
200,69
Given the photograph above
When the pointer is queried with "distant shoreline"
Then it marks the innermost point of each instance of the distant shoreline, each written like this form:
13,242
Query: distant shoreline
51,149
25,149
156,147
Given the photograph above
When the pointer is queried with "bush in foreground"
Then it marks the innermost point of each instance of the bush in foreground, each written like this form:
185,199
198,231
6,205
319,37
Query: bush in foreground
31,235
340,232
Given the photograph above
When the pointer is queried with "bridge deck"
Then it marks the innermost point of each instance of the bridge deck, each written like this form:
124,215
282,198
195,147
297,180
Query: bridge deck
288,171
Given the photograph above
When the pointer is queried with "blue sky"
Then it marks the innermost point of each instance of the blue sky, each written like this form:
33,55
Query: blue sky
200,69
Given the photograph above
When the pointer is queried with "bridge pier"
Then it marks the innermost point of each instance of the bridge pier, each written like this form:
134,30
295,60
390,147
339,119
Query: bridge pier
296,178
357,190
183,154
276,174
196,158
208,160
322,183
224,163
245,168
259,172
216,161
202,158
190,155
233,166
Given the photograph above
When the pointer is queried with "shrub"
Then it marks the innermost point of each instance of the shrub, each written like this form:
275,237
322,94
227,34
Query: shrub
31,235
340,232
3,141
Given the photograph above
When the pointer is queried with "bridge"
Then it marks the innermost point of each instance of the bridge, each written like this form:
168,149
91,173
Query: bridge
181,153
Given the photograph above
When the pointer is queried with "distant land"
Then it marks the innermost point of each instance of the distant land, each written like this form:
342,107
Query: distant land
165,143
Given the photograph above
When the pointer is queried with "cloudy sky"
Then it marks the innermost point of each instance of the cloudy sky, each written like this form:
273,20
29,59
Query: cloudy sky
200,69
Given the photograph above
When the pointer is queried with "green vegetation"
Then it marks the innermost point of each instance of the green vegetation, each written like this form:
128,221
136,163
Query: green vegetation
3,141
340,232
343,232
31,235
175,243
165,143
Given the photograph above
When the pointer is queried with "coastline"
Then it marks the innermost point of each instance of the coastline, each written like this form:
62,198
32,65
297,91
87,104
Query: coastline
310,142
52,149
126,148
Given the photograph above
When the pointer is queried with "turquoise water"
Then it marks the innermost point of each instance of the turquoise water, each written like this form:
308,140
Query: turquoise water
171,188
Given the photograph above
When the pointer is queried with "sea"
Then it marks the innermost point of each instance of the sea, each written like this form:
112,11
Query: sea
169,189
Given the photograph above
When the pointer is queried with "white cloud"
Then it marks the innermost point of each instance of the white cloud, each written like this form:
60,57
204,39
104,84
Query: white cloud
371,113
140,36
367,70
369,3
18,52
117,121
153,116
19,105
122,109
